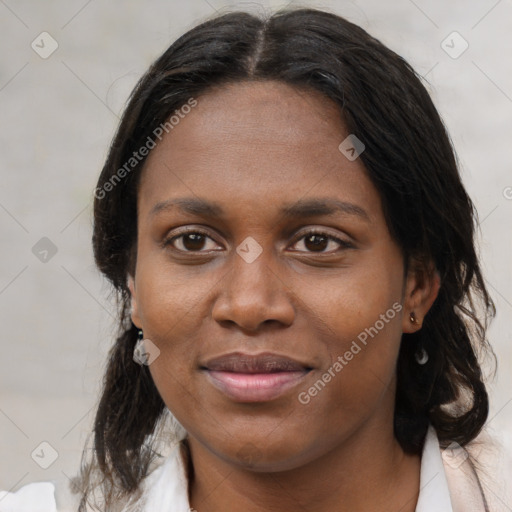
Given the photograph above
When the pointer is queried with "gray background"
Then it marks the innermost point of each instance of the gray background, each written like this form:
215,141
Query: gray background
57,118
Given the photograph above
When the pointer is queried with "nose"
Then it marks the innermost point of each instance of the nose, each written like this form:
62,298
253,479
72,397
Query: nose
252,294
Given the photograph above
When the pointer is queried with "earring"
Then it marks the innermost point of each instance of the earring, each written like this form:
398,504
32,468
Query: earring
139,354
412,318
421,356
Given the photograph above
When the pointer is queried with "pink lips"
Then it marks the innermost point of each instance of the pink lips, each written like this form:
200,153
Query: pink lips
254,378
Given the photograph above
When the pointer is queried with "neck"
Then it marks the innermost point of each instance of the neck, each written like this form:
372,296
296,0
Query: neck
368,471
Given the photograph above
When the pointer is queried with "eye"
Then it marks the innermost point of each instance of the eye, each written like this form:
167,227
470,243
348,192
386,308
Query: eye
195,240
191,240
318,241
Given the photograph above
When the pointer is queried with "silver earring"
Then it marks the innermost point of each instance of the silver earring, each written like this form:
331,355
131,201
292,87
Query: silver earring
421,356
139,352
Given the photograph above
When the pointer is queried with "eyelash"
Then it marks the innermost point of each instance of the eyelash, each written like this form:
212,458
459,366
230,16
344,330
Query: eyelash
343,243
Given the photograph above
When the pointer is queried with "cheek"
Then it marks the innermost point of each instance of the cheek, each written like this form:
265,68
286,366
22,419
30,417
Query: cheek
364,362
360,311
353,300
169,299
169,309
359,374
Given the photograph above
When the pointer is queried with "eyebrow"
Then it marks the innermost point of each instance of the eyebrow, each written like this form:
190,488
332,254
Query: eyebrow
322,206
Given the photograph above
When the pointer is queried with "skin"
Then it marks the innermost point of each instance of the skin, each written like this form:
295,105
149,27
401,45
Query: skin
252,148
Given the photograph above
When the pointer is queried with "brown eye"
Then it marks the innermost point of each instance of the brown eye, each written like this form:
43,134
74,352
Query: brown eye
190,241
193,241
318,242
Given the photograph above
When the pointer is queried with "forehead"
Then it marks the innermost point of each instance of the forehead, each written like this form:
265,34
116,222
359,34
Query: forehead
267,104
255,142
254,113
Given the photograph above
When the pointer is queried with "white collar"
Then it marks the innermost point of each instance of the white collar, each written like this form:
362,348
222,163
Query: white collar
167,485
434,493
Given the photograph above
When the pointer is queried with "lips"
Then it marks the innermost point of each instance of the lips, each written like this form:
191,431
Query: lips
254,378
263,363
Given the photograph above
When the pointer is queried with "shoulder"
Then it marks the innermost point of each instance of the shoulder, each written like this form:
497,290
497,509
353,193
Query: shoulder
166,483
49,496
492,457
482,468
33,497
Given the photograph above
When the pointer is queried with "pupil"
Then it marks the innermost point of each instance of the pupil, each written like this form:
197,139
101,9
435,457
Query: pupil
318,244
196,241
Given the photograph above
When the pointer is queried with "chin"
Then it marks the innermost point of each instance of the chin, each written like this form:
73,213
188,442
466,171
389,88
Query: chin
263,457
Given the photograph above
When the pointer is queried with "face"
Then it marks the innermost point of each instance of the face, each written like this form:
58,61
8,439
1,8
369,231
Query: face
267,278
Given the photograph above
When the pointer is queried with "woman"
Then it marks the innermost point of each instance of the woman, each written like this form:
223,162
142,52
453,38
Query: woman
283,219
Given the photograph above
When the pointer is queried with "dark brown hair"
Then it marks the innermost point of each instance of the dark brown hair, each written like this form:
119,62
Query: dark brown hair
408,157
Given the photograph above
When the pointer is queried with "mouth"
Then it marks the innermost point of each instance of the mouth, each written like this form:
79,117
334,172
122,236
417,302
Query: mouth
254,378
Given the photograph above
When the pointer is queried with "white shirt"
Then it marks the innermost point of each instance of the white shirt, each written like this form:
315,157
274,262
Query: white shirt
447,484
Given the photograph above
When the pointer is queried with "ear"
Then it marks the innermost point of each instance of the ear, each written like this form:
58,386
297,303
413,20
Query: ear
134,311
420,291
